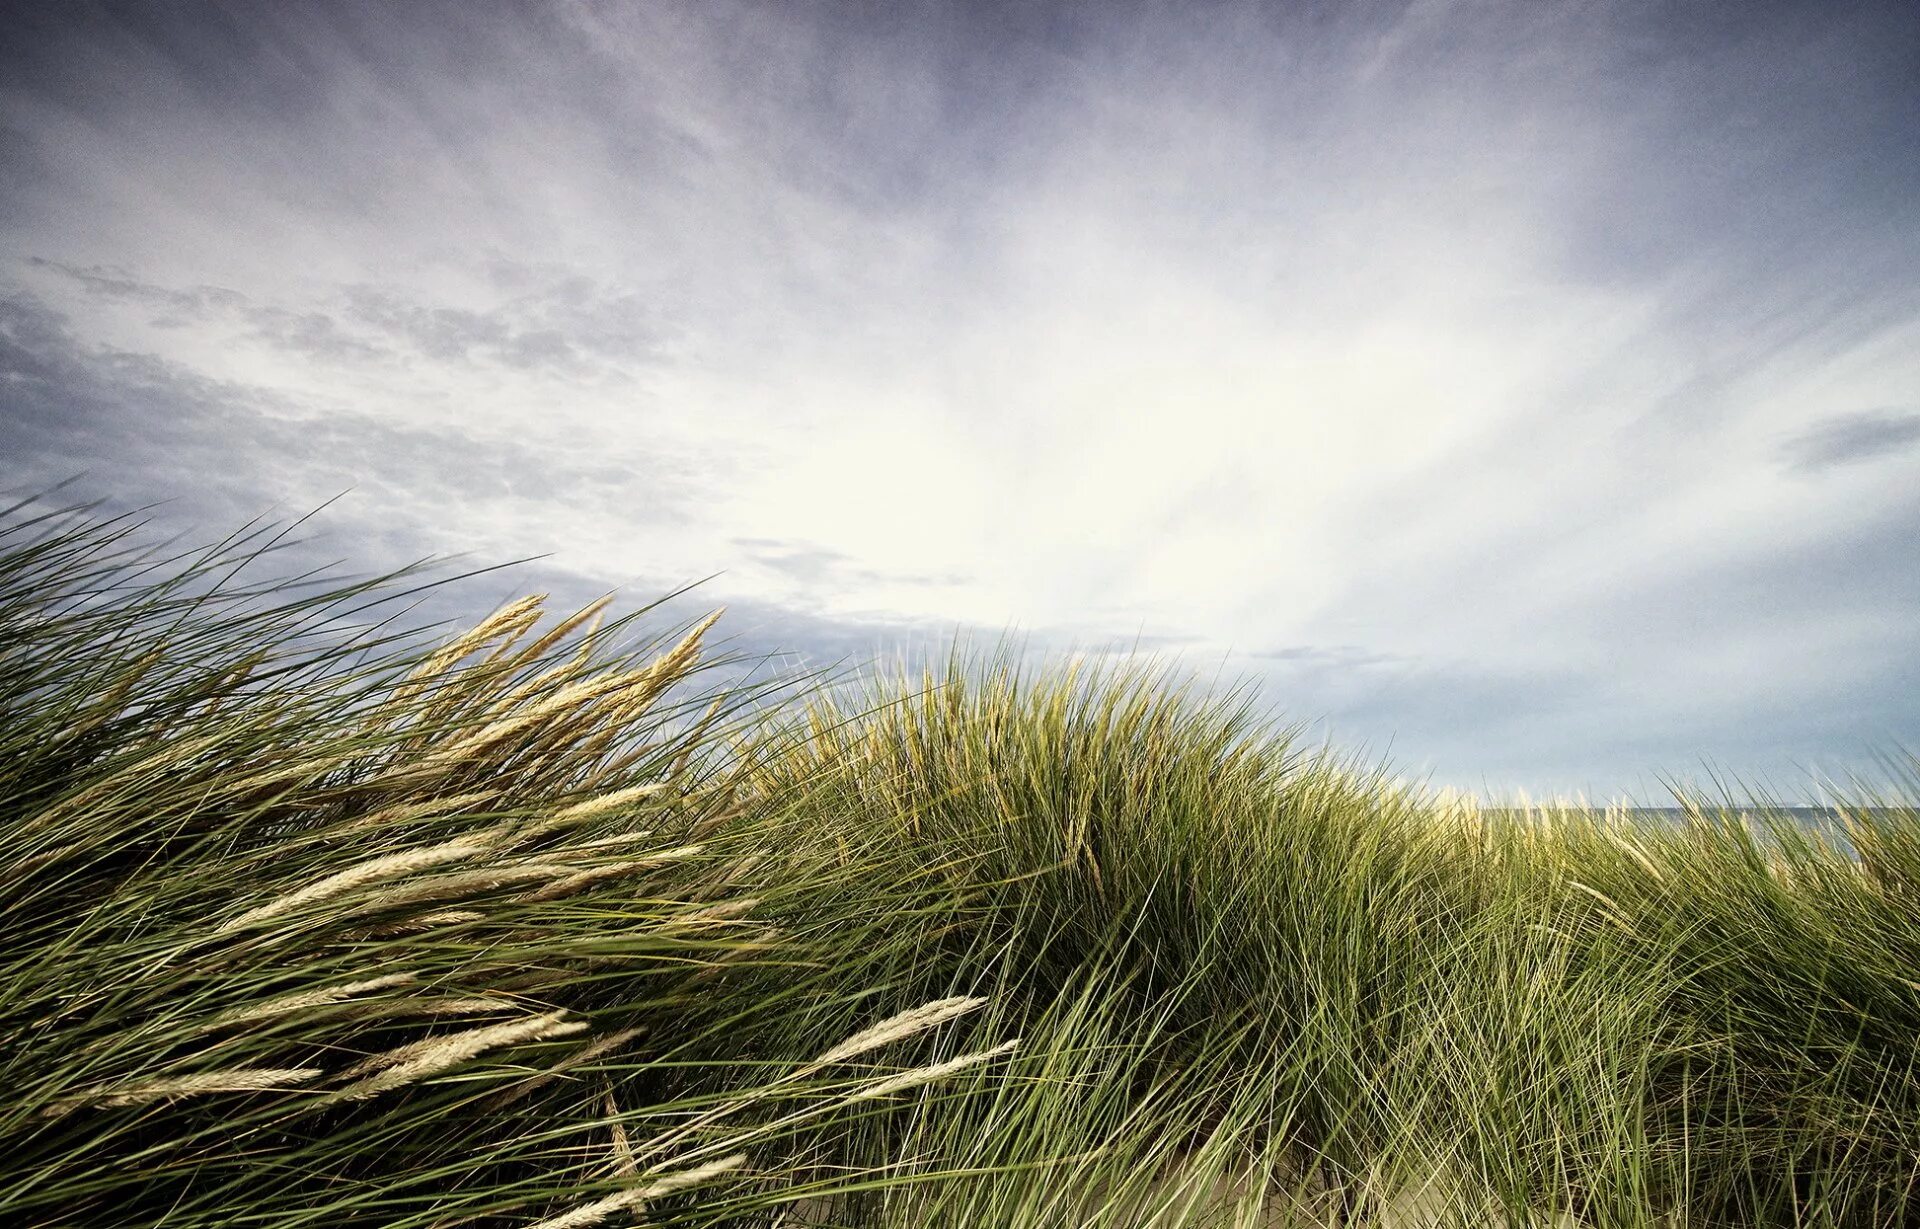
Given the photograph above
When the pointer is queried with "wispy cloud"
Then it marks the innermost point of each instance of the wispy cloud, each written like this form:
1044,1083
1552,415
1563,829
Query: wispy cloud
1849,438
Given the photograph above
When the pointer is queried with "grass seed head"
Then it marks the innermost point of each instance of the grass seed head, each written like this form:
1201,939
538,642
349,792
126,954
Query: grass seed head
235,1079
895,1028
321,997
376,870
419,1060
938,1071
601,1209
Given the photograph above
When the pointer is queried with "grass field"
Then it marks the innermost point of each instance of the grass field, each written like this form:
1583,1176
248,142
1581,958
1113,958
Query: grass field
310,920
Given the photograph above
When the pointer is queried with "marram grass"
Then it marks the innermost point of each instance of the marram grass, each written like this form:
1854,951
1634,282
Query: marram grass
313,920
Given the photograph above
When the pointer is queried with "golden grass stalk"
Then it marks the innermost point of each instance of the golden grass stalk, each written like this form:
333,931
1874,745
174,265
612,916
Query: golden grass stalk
624,1164
572,700
683,654
321,997
610,842
110,704
610,801
419,1060
513,617
578,695
599,1210
696,737
542,682
495,670
427,921
641,687
302,769
407,811
726,813
894,1028
560,630
26,866
1639,855
938,1071
101,793
478,1005
505,723
467,749
444,887
592,808
594,750
581,880
724,912
436,671
376,870
232,1079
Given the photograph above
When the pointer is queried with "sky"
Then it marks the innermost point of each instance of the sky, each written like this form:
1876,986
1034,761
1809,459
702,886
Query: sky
1524,393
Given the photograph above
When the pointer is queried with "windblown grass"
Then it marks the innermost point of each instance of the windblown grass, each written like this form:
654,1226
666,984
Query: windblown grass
310,920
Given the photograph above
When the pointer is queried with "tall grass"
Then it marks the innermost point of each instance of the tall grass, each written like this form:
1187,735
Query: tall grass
309,921
313,920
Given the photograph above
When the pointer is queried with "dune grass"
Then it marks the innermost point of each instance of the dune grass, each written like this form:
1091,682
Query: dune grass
311,919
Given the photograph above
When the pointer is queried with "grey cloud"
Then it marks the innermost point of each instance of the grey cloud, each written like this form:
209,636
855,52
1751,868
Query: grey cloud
813,564
152,429
556,320
110,282
437,332
798,561
1479,726
538,348
309,332
570,325
1142,644
1758,659
35,348
1849,438
1339,656
313,333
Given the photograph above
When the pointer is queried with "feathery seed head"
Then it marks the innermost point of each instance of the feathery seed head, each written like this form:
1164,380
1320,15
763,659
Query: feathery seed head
403,812
723,912
599,1210
311,998
139,1092
376,870
611,801
581,880
894,1028
926,1075
559,632
419,1060
515,615
463,883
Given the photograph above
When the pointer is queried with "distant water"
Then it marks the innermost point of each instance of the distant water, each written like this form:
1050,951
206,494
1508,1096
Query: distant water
1813,817
1828,822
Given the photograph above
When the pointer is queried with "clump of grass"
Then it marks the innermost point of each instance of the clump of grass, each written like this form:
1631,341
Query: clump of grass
311,920
1255,979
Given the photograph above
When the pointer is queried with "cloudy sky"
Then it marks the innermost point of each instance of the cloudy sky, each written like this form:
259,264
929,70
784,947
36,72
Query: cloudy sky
1526,391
